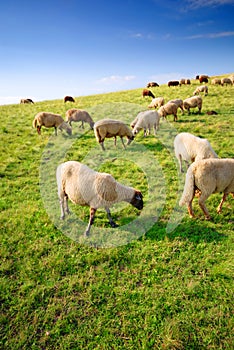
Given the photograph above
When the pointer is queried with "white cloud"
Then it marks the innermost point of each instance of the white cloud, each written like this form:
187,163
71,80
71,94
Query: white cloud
210,35
195,4
116,79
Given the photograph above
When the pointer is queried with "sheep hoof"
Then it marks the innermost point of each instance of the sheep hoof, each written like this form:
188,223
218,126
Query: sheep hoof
86,233
62,217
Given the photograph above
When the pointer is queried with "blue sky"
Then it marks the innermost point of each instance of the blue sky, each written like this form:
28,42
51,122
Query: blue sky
49,49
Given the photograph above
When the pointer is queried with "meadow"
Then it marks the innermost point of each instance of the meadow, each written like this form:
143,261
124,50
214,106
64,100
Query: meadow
159,281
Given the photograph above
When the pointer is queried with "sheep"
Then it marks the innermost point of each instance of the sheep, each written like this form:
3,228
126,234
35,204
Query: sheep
192,102
68,99
146,120
231,77
205,177
173,83
50,120
167,109
156,102
182,81
76,115
146,92
203,79
152,84
202,76
179,103
26,100
216,81
106,128
203,88
226,81
190,148
86,187
187,81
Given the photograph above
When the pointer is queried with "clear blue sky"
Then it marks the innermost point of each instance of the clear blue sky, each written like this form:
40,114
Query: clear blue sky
50,48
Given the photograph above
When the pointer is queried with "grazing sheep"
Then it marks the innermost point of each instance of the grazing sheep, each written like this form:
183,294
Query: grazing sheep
173,83
187,81
226,81
231,77
199,89
203,80
146,92
202,76
146,120
216,81
156,102
50,120
182,81
191,148
106,128
208,176
167,109
26,100
68,99
152,84
86,187
179,103
77,115
192,102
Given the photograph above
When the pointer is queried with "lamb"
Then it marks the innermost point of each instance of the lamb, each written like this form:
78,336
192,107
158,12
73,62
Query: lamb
226,81
146,120
179,103
106,128
86,187
146,92
192,102
190,148
167,109
203,88
156,102
50,120
76,115
208,176
216,81
68,99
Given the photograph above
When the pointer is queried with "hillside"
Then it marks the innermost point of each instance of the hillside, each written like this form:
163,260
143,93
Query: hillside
160,280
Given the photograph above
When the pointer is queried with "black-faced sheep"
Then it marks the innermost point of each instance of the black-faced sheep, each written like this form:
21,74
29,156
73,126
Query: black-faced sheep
146,120
77,115
167,109
86,187
156,102
107,128
68,99
146,92
193,102
173,83
205,177
191,148
203,88
226,81
26,100
152,84
50,120
203,79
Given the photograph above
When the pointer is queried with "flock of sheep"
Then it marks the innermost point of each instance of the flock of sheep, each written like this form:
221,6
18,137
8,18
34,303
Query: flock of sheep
83,186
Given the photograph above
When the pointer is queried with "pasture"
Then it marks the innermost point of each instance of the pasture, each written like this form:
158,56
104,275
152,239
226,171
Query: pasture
159,281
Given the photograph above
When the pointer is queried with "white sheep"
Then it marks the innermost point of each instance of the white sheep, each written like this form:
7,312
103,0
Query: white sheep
231,77
192,102
147,120
216,81
86,187
205,177
179,103
50,120
76,115
156,102
202,88
226,81
106,128
190,148
167,109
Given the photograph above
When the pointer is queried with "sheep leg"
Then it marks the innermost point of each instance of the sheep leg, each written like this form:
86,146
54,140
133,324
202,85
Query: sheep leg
180,162
39,130
123,142
201,203
91,221
55,131
66,205
111,221
175,117
219,209
61,201
190,209
102,144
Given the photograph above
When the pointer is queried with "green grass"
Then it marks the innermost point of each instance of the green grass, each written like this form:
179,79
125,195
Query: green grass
161,289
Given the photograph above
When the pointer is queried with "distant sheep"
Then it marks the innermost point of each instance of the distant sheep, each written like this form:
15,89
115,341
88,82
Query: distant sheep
167,109
216,81
146,120
182,81
203,79
178,102
231,77
199,89
202,76
152,84
208,176
107,128
211,112
146,92
226,81
50,120
68,99
156,102
26,100
173,83
86,187
77,115
192,102
191,148
185,81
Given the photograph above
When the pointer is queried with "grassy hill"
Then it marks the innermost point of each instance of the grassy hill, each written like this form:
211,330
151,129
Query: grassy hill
159,281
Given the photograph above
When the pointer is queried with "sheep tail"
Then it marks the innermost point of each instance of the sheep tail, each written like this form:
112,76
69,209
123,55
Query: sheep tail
35,122
189,187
